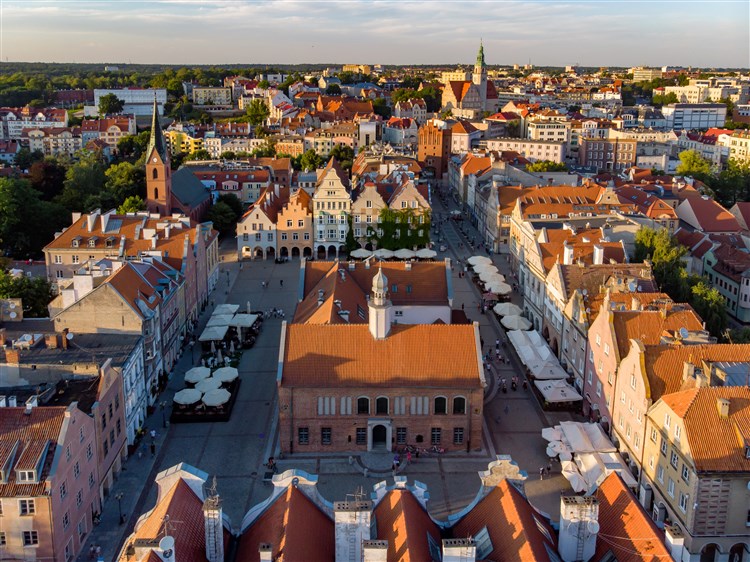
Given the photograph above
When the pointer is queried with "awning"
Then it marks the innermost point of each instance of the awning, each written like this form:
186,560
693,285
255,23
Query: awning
214,333
474,260
244,320
425,253
556,392
360,253
187,396
226,309
220,320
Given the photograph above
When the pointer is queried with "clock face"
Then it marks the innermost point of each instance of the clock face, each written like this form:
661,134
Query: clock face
154,160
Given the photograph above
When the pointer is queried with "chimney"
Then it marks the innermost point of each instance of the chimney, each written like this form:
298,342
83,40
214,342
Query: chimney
50,340
166,232
688,371
723,405
407,266
3,402
578,527
567,254
675,541
367,263
265,551
12,356
153,241
64,338
459,550
374,551
352,265
32,403
352,520
165,551
12,402
598,254
214,527
635,304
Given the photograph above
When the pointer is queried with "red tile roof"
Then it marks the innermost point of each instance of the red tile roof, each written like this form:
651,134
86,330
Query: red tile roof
403,522
716,444
711,216
649,325
349,356
296,529
513,525
625,529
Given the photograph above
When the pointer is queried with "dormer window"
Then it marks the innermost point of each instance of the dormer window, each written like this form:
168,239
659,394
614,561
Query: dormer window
26,476
76,242
92,243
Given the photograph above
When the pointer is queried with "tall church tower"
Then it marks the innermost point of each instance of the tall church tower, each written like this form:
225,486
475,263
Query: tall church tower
479,77
380,307
158,170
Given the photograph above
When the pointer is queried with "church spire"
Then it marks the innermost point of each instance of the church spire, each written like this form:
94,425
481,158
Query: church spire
480,54
156,140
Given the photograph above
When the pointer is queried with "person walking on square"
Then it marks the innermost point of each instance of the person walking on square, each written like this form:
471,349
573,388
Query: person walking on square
153,449
281,283
541,473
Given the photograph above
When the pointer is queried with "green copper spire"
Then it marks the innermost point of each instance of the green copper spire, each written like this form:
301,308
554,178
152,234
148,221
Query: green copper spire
157,137
480,54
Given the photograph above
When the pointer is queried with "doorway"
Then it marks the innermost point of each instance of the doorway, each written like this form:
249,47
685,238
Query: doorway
379,438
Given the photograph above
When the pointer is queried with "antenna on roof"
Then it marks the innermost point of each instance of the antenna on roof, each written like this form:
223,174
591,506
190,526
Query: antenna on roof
684,333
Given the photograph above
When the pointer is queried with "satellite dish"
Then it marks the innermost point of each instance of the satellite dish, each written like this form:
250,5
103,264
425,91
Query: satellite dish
632,287
592,527
684,333
69,336
13,315
12,305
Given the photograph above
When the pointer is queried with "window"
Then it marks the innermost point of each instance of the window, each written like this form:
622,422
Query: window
303,436
459,405
685,473
104,421
458,435
599,388
606,349
325,435
677,433
401,436
75,259
119,427
441,405
663,447
26,507
66,520
483,543
637,441
82,528
674,460
91,480
63,489
623,396
683,502
660,474
670,487
651,461
106,447
30,538
79,498
361,436
3,541
435,435
25,475
58,259
632,381
653,434
598,340
89,451
381,405
667,421
363,405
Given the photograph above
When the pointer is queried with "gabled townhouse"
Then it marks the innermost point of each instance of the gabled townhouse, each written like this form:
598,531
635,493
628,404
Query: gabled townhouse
696,469
256,231
650,206
332,202
704,214
295,226
609,342
727,266
9,149
415,109
110,129
400,131
48,490
13,120
246,185
464,137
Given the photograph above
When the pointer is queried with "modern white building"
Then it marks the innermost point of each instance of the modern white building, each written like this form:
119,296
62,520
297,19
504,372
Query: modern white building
690,116
138,101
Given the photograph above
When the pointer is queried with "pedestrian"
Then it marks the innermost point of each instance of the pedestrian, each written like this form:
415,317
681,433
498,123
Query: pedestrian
153,449
497,344
98,551
92,552
507,409
281,282
549,468
152,433
541,473
462,306
408,457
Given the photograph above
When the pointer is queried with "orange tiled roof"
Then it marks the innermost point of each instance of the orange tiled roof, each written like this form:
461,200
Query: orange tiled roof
512,524
625,529
649,325
185,508
132,287
665,363
403,522
295,528
711,216
476,164
348,356
716,444
32,433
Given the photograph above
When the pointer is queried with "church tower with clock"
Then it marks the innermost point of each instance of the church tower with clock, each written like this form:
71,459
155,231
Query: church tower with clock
158,170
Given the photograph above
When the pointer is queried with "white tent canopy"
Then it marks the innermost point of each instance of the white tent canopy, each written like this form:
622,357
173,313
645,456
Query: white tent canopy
586,437
360,253
507,309
197,374
226,309
187,396
572,475
405,254
216,397
219,320
243,320
515,322
474,260
425,253
536,354
557,391
214,333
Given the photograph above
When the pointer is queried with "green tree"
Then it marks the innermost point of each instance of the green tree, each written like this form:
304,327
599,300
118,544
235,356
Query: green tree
201,154
380,107
125,180
264,84
233,202
661,99
228,155
110,104
83,183
25,158
344,155
693,164
133,146
35,293
709,304
310,160
546,166
257,112
47,177
333,90
223,218
265,150
132,204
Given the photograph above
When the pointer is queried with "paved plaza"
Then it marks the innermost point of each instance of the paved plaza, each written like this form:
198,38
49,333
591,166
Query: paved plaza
235,451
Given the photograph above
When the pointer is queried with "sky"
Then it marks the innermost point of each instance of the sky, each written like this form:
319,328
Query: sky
714,33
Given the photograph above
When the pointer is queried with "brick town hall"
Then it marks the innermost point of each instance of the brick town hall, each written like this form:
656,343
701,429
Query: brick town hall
372,360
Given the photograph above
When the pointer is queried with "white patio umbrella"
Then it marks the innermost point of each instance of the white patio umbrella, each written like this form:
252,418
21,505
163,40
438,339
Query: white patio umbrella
360,253
383,253
516,323
474,260
187,396
480,267
571,474
405,254
216,397
508,309
226,374
488,275
556,447
500,288
197,374
426,253
551,433
208,384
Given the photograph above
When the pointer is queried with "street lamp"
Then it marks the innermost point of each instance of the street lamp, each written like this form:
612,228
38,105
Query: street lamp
118,497
163,405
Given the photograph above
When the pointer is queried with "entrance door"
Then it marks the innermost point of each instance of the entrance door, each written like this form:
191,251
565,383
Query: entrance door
379,436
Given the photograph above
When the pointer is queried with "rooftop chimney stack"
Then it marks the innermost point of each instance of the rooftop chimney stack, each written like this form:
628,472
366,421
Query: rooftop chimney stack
723,406
352,520
265,551
578,528
567,254
214,527
675,541
374,551
598,254
459,550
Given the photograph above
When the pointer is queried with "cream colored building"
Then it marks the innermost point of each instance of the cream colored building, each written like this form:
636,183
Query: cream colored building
697,469
357,68
212,96
530,149
332,203
739,146
54,141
